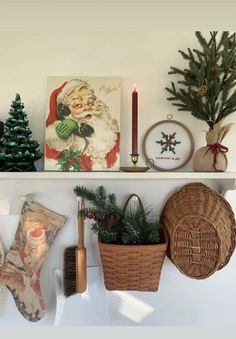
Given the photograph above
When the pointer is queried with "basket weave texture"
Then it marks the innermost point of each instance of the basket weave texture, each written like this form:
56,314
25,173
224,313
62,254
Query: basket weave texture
132,267
201,228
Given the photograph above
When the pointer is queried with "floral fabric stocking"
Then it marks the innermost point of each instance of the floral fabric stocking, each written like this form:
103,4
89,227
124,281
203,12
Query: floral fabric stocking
20,272
1,254
2,287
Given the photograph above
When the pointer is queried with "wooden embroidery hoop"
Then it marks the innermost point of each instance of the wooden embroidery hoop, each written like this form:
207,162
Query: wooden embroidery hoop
169,120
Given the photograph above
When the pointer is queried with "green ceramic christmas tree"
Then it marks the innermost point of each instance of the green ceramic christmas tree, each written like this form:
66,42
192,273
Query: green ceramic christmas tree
18,151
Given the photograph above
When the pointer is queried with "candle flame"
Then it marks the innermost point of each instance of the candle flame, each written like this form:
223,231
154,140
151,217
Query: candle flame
135,87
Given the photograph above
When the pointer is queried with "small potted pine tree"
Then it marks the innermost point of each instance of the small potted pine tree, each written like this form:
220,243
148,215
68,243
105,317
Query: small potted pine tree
132,246
207,91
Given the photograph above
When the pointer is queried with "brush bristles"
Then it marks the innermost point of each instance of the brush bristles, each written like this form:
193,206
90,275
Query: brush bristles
69,278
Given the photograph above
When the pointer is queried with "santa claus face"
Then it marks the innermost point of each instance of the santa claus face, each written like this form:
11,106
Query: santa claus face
82,103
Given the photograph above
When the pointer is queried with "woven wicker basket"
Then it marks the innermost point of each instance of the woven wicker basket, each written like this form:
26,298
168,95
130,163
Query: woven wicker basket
201,228
133,267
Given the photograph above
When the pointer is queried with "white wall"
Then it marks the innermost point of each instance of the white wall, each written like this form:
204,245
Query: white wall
142,57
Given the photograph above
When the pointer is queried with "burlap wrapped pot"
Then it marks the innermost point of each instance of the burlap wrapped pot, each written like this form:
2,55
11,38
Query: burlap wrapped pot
212,157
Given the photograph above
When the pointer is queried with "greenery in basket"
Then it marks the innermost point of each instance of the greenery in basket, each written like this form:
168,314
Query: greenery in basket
207,85
113,224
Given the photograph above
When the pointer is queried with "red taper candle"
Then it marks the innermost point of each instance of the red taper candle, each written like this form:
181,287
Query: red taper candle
135,121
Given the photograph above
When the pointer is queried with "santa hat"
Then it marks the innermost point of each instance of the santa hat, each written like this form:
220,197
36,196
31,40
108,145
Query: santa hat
60,94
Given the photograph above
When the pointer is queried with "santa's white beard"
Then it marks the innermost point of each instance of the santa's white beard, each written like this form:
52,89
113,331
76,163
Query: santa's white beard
101,142
98,145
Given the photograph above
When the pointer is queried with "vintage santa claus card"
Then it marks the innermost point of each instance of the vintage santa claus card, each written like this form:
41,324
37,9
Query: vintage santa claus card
83,124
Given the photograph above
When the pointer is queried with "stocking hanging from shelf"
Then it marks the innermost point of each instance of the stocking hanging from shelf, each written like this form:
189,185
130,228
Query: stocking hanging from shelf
1,254
2,287
20,272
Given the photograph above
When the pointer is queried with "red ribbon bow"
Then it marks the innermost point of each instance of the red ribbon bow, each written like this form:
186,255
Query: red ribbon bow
217,148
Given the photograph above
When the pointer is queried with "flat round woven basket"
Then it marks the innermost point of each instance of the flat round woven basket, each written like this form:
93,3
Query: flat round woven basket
201,228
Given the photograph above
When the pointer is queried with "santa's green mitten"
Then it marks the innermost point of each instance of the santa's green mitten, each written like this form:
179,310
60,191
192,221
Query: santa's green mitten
37,229
65,128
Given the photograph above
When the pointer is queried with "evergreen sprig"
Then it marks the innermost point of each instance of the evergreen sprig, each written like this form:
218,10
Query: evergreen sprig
114,225
70,160
206,87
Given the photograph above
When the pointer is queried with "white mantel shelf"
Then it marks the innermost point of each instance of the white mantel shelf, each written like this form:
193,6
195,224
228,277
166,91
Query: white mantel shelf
116,175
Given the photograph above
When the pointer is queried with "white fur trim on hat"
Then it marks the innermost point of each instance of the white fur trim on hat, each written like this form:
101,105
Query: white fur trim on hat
69,87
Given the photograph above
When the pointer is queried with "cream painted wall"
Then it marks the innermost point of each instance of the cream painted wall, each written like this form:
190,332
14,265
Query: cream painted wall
142,57
145,58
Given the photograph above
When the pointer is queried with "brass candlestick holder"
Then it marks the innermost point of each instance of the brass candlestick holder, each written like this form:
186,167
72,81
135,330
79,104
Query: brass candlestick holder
135,168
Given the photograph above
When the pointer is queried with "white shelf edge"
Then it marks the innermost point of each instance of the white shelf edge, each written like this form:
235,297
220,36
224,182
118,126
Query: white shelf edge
116,175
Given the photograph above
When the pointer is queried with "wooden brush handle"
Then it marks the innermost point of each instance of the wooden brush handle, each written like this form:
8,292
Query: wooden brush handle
81,267
80,221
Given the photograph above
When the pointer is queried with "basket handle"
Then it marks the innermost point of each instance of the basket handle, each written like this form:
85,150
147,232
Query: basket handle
139,201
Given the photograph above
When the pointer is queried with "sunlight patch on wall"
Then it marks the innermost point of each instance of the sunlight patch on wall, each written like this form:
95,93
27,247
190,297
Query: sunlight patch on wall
132,307
4,207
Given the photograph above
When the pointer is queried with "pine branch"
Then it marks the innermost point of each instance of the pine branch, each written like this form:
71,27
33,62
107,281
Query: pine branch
224,37
103,204
190,103
112,223
176,70
200,55
228,108
188,83
191,56
100,197
83,192
209,80
203,43
184,55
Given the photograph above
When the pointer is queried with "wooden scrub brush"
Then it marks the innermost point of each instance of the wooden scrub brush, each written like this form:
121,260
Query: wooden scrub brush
75,271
